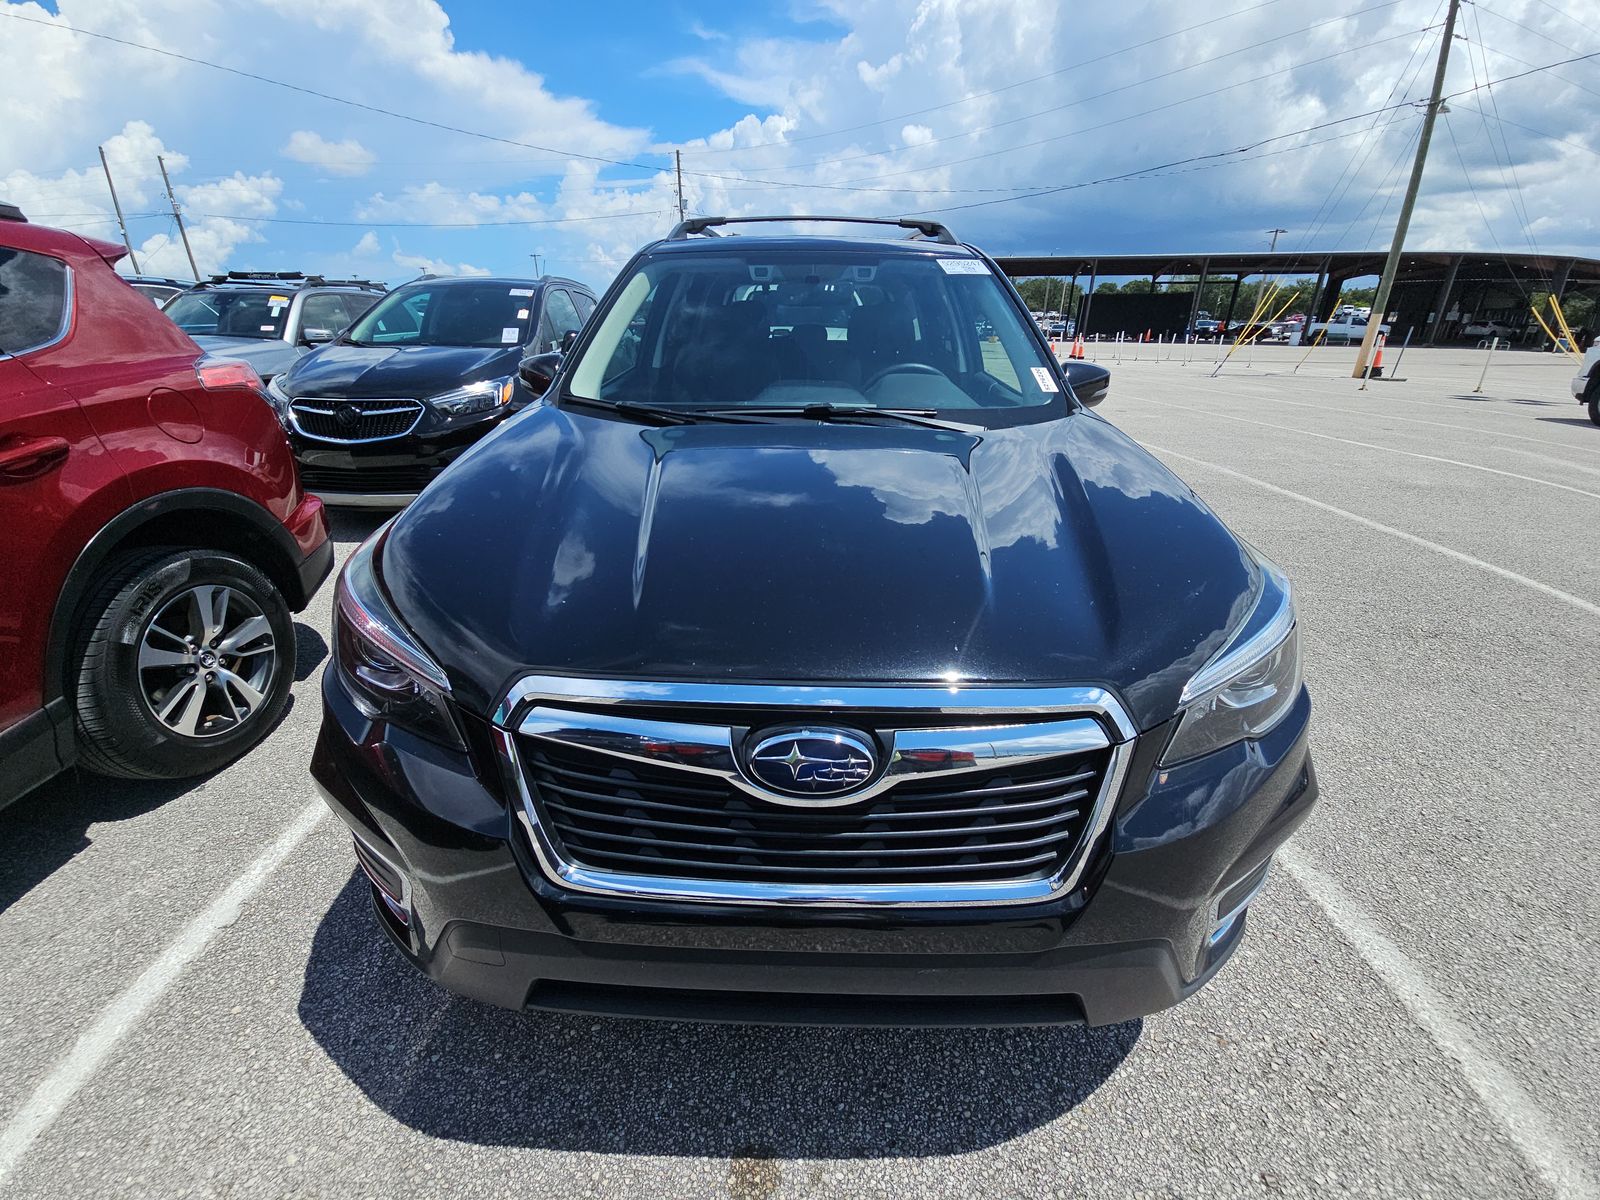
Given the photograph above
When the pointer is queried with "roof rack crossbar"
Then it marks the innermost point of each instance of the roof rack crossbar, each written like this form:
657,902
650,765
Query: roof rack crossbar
707,225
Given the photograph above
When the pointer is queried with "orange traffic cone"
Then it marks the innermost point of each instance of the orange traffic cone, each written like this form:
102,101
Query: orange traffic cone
1377,358
1077,347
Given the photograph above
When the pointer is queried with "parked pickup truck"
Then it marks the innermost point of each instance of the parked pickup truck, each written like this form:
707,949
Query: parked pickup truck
1344,330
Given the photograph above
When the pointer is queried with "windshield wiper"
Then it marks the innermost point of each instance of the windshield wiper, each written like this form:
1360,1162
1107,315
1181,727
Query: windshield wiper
656,416
843,414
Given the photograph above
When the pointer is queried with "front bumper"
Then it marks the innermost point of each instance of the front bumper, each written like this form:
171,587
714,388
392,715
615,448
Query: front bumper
385,473
1138,934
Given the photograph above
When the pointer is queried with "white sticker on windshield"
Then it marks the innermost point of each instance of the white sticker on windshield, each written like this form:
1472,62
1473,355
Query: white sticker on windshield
509,336
522,314
521,291
268,328
1041,376
963,266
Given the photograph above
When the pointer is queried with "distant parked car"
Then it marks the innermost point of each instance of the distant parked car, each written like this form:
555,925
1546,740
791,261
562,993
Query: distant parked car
153,537
1586,383
158,288
270,319
376,415
1486,329
1346,330
1205,327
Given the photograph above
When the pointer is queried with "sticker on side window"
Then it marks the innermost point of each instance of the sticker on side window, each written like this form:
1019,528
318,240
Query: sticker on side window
509,335
963,266
1041,376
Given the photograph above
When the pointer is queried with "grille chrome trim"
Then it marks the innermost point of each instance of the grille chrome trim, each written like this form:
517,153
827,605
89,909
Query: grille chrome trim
1081,703
322,406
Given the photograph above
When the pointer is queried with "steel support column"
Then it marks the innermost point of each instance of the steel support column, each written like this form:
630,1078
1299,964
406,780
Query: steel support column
1442,305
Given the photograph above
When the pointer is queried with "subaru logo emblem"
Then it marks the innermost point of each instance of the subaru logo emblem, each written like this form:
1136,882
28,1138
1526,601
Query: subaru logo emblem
812,763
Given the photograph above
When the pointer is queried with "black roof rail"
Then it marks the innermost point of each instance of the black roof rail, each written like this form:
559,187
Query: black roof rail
10,212
320,281
255,276
708,225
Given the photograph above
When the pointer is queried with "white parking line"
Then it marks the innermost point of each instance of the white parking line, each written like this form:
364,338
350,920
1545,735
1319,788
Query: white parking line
119,1017
1587,606
1390,416
1550,458
1508,1102
1328,437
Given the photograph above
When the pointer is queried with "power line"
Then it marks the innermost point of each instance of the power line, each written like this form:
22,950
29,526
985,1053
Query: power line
847,185
1127,175
1144,82
920,112
651,212
279,83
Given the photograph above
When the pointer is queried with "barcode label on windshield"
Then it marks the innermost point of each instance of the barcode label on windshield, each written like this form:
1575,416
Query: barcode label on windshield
963,266
1041,376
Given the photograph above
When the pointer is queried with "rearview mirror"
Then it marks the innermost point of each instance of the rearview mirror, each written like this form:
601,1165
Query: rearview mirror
1090,381
567,339
315,336
537,371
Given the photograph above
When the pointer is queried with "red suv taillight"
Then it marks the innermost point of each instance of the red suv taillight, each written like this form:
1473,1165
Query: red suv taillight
215,373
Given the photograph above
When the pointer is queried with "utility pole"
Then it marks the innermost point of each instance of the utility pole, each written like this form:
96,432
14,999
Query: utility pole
538,265
1380,302
116,204
1274,233
194,271
677,159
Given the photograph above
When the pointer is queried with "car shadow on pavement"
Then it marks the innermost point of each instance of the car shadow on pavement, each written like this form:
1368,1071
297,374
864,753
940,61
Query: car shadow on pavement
310,648
1480,399
453,1068
1581,421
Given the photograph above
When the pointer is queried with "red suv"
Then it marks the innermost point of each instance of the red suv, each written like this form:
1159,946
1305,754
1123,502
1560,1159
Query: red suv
153,535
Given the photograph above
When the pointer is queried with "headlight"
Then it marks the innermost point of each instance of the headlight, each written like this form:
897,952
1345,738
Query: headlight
279,398
483,396
1251,685
391,677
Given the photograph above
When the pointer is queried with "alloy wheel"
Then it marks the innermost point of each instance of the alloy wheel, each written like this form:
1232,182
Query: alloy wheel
206,661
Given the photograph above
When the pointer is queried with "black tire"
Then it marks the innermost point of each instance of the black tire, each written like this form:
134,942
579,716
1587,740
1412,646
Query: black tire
1594,401
119,731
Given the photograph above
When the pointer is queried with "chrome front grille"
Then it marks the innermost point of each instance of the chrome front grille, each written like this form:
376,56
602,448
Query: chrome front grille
967,804
355,420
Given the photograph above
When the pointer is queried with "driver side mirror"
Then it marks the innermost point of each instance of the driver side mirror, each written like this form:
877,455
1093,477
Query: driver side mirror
538,370
1090,381
315,335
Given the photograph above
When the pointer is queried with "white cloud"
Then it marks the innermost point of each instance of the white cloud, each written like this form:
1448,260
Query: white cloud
367,246
348,157
906,105
434,266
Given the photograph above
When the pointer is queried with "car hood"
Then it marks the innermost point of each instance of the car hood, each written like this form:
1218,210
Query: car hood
412,372
267,355
1058,553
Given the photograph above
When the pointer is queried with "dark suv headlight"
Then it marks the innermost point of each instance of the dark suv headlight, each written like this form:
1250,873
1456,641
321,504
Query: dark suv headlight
389,675
1250,685
481,397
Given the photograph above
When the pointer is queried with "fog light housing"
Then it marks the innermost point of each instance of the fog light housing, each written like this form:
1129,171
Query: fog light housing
393,889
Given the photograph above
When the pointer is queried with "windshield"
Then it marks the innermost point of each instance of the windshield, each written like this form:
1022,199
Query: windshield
448,313
790,328
231,312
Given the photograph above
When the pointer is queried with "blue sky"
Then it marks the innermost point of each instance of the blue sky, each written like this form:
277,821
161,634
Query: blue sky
1030,127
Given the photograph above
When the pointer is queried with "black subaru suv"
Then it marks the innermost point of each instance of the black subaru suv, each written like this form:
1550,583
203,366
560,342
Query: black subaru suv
380,411
814,654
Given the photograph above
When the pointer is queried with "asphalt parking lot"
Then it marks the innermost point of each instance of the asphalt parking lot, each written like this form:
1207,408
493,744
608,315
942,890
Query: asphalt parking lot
195,1001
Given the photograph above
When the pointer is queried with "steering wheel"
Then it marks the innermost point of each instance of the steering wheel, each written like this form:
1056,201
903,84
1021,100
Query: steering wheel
905,368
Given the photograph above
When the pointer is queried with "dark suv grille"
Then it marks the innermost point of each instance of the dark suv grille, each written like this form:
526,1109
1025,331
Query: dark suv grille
356,420
1006,824
375,481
